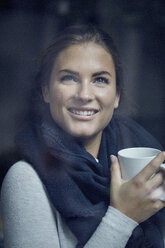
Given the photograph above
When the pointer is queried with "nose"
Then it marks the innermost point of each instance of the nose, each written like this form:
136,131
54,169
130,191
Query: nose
84,92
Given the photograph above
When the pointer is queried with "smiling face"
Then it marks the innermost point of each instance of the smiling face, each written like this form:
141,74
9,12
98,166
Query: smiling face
82,90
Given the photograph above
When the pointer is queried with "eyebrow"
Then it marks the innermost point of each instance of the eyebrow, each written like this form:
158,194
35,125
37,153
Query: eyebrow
101,73
77,73
69,71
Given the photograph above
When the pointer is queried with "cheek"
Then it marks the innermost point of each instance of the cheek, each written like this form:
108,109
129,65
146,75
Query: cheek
57,97
108,99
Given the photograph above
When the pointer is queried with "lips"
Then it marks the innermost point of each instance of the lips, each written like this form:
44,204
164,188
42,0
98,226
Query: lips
83,112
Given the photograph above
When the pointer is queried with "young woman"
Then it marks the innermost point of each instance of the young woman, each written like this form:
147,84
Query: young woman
66,191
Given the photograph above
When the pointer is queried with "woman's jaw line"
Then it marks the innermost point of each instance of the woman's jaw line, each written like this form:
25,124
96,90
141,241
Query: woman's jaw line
92,144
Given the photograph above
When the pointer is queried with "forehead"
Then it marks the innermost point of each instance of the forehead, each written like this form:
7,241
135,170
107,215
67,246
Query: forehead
87,56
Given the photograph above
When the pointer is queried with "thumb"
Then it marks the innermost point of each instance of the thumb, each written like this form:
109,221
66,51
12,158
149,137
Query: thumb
115,171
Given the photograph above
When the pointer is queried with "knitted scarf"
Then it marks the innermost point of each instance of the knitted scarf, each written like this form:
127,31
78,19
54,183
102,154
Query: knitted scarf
77,184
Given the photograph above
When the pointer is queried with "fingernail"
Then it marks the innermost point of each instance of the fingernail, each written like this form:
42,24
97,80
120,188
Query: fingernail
113,158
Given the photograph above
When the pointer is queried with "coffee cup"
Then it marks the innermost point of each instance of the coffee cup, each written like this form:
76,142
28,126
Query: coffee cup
133,160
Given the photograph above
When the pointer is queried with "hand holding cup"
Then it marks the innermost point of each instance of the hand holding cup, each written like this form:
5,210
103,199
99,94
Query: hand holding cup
134,197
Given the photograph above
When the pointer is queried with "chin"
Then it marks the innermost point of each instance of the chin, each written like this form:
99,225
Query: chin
84,135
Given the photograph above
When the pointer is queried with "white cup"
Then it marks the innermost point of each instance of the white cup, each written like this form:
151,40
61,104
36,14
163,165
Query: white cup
133,160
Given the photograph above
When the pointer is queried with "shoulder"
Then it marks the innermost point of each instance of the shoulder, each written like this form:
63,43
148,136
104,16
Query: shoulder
21,180
21,170
130,133
22,190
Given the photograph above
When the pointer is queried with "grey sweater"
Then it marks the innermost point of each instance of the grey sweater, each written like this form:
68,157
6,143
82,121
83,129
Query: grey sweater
29,220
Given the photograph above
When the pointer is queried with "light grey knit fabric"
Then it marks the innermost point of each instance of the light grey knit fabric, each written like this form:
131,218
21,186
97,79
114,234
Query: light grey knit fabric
29,219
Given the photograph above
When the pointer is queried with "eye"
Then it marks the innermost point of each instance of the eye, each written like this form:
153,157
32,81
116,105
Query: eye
101,80
68,78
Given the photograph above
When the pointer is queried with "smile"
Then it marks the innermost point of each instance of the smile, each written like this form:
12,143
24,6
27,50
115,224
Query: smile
83,112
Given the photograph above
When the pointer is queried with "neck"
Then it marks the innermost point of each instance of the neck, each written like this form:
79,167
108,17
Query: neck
92,145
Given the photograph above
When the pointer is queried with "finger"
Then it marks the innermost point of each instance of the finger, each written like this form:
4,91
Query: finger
162,170
158,205
115,171
152,167
155,181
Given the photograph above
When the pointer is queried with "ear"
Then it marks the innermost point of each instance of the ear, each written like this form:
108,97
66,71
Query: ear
117,99
45,93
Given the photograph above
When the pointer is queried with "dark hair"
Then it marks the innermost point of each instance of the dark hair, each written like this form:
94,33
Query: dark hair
73,35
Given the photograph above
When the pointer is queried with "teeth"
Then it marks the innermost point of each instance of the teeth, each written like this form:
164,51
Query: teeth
84,113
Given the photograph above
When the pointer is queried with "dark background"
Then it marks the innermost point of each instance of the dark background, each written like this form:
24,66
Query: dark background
138,28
